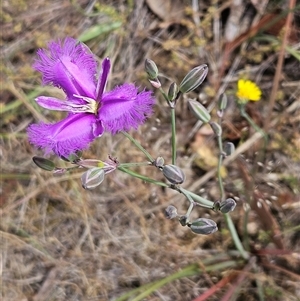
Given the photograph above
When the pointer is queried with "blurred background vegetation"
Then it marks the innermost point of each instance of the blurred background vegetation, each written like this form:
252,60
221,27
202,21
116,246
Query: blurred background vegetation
60,242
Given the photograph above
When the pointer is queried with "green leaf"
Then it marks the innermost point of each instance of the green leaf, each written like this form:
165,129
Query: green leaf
44,163
99,30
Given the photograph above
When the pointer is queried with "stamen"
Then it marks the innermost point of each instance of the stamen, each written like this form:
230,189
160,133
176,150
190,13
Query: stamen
91,107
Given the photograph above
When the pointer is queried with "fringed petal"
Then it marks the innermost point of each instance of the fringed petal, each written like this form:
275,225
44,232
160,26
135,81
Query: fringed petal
68,65
124,108
67,136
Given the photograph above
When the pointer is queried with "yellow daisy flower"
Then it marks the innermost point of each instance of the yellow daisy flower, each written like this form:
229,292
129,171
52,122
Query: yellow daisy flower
248,90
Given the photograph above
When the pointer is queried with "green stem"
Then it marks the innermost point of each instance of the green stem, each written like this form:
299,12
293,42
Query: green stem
186,272
164,94
173,121
135,164
235,237
197,198
231,227
141,177
138,145
220,180
252,123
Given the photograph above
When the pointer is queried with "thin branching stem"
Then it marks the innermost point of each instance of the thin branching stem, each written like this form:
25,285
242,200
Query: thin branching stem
235,237
231,227
173,121
142,177
126,165
252,123
220,161
138,145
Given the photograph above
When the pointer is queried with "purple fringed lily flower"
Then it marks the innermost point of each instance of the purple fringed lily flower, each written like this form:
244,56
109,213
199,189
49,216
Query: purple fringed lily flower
71,66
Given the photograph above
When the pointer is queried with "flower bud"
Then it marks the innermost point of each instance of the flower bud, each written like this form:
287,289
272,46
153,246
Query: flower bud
173,92
92,178
173,174
193,79
151,69
171,212
159,162
216,128
203,226
155,83
44,163
199,110
227,206
222,102
229,148
183,220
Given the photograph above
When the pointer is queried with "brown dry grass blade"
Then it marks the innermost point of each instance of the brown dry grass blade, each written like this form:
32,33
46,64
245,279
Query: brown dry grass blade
210,292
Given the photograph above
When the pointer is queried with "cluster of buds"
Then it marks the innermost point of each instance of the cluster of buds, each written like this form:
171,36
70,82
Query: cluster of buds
91,178
173,173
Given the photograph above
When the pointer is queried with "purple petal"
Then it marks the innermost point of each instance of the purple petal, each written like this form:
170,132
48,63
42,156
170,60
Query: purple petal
68,65
74,133
124,108
102,79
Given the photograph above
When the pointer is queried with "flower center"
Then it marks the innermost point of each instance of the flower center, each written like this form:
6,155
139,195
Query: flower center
91,105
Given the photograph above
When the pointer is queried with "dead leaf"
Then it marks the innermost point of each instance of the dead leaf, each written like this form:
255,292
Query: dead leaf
167,10
207,152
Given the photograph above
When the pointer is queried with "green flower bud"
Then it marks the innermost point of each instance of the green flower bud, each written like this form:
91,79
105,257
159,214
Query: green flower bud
171,212
199,110
92,178
222,102
227,206
229,148
173,92
151,69
44,163
216,128
203,226
193,79
173,174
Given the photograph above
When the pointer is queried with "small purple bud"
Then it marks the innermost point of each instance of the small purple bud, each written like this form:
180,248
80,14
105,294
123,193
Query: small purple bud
92,178
171,212
228,205
44,163
151,69
199,110
159,162
203,226
193,79
155,83
173,174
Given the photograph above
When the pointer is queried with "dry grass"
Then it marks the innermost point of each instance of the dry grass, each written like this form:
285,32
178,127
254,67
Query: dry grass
60,242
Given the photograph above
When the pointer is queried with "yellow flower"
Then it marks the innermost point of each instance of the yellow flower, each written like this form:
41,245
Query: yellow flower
248,90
